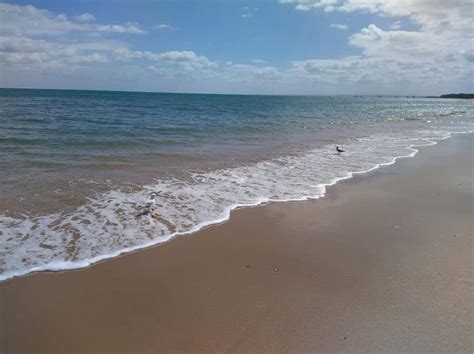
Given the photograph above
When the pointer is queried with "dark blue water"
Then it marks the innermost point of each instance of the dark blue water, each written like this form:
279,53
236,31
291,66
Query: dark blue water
77,166
75,127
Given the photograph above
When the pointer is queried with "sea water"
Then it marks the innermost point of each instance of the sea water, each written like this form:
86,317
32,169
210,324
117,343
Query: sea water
77,167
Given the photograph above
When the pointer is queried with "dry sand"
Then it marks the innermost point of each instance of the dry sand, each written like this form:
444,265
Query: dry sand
382,264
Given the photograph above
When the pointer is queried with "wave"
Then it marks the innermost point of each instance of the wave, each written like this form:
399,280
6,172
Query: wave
106,225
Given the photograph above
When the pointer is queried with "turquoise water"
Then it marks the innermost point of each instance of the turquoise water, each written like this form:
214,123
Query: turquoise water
77,166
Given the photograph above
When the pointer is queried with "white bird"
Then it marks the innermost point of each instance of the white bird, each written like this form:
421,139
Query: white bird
339,150
150,202
149,206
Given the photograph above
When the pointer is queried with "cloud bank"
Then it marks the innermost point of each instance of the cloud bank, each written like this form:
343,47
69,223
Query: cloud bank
436,54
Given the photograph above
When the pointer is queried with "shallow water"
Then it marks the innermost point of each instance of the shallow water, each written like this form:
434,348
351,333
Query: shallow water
77,166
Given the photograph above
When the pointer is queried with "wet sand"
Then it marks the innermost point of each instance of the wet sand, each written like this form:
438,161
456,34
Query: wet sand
382,264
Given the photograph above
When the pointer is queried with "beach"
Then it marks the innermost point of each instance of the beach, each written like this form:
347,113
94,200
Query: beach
382,263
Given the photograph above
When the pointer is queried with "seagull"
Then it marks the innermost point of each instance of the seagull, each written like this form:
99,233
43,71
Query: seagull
149,206
151,202
339,150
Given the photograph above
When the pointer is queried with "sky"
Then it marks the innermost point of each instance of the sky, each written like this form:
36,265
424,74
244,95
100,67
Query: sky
310,47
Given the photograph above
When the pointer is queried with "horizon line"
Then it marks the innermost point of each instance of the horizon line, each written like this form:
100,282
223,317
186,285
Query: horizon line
233,94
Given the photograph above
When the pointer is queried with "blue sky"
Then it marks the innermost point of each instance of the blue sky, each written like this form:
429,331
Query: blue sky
272,46
226,30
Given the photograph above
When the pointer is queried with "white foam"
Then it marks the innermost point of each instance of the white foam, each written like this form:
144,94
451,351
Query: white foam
106,226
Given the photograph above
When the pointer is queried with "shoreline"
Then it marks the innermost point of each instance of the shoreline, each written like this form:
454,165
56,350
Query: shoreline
382,263
64,266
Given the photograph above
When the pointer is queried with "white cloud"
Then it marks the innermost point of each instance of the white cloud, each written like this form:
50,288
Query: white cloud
339,26
21,50
427,13
436,52
129,27
185,59
244,72
393,58
85,17
396,25
31,21
164,26
36,39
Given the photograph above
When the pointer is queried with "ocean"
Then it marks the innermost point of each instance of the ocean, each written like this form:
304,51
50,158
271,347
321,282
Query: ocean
89,175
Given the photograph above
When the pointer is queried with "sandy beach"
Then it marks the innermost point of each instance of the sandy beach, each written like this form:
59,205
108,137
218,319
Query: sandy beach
383,263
